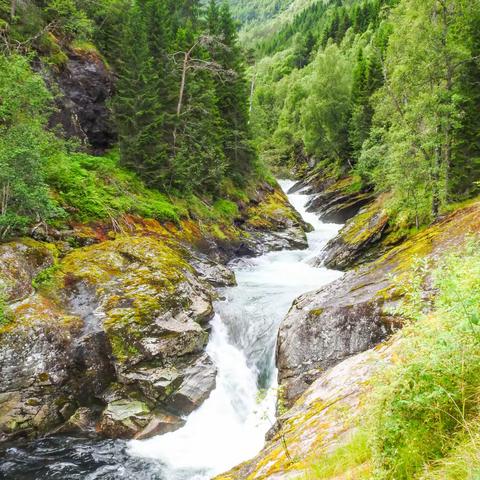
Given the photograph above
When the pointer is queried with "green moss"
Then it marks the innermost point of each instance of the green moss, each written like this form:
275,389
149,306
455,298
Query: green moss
352,456
84,46
218,233
271,212
226,209
45,280
363,226
6,316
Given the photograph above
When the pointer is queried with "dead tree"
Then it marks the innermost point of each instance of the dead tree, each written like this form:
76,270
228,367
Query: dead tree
191,63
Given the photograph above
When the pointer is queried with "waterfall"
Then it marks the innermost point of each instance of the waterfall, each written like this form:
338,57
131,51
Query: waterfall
230,426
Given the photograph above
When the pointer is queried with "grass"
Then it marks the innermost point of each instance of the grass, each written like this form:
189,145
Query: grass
431,393
345,459
422,419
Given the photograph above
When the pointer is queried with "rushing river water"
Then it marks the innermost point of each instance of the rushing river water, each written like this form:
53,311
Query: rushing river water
230,426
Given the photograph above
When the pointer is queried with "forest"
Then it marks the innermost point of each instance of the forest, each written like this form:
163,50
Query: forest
384,90
180,109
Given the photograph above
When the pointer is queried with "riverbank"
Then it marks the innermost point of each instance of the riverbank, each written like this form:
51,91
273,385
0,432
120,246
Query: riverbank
110,337
332,378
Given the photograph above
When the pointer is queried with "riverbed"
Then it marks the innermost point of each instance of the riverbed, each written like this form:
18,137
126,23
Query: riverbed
231,424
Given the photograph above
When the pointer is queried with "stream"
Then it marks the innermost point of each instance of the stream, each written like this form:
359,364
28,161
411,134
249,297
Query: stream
230,426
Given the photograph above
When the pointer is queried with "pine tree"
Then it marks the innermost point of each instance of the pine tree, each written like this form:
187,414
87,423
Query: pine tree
137,104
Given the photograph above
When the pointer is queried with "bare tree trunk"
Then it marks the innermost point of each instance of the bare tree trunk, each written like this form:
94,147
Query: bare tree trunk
5,198
436,179
13,9
182,82
449,71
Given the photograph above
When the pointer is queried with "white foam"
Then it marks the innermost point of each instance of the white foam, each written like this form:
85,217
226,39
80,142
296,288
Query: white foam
230,426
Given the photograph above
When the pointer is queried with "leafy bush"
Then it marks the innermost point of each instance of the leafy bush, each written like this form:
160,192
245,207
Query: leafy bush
24,146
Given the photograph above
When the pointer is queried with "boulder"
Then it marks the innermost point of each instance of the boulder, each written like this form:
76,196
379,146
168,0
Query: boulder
160,423
211,271
336,205
322,329
20,262
271,225
359,240
198,382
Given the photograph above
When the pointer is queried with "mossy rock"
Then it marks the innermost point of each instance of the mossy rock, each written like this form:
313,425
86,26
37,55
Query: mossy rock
20,262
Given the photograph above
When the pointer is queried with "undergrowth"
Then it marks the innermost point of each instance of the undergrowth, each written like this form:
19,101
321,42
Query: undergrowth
423,411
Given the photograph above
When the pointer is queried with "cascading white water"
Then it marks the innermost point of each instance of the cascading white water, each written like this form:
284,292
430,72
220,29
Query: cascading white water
230,426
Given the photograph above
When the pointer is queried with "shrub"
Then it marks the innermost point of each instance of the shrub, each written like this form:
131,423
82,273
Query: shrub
431,393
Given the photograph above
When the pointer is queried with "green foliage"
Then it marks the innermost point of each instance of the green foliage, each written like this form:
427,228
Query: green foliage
326,113
46,278
98,188
385,89
355,452
24,146
431,393
226,208
70,20
419,112
181,106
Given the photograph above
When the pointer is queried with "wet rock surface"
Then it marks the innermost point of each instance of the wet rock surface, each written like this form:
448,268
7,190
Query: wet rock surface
333,206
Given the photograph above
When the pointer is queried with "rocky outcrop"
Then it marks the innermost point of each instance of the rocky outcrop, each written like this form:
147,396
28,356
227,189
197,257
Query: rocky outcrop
85,85
355,312
322,329
20,263
325,417
359,240
271,224
110,337
119,324
333,206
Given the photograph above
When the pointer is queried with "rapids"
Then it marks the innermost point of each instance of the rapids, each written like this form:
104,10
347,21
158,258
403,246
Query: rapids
231,424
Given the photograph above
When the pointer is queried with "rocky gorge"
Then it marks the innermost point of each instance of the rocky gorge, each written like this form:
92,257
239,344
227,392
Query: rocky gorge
334,340
111,336
107,323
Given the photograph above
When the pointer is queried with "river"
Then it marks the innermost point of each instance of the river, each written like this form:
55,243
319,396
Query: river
231,424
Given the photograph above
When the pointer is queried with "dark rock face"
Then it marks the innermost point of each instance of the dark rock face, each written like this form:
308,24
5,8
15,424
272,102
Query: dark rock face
337,207
85,85
45,372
